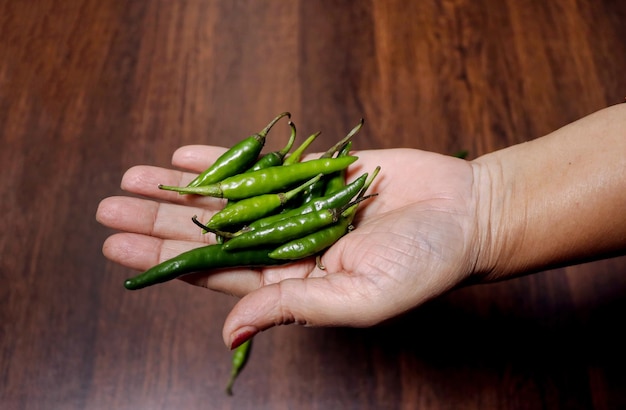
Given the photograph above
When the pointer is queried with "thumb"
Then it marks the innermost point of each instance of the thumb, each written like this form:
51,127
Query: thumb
321,301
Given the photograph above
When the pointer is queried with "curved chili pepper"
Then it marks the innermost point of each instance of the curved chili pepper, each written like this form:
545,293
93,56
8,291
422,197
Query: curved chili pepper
250,209
275,158
237,158
197,260
263,181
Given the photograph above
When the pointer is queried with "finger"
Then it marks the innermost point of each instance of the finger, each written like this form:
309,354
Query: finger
319,301
144,180
141,252
163,220
241,281
196,158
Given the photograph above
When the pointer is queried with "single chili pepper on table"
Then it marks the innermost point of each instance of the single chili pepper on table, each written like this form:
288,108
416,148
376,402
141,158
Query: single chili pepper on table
196,260
237,158
267,180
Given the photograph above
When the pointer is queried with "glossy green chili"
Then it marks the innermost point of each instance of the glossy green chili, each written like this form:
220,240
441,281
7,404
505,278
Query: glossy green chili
275,158
336,200
267,180
237,158
315,242
253,208
296,155
271,159
239,359
287,229
335,182
197,260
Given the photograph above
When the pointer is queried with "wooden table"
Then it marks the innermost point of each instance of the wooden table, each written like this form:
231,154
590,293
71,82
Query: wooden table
90,88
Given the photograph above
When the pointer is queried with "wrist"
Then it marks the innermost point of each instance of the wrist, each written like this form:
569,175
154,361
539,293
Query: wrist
553,201
491,197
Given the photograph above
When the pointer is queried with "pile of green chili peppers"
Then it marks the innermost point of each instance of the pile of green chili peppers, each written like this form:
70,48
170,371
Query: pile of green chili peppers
280,208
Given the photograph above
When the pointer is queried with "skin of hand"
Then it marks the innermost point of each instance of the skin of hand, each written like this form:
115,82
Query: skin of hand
438,223
555,200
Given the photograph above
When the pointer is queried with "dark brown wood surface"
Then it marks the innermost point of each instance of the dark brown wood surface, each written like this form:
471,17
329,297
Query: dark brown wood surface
90,88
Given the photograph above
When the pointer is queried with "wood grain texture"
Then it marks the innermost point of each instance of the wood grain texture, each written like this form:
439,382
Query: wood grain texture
89,88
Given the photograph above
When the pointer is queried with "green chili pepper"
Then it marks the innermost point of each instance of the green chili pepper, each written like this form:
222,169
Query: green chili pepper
267,180
237,158
196,260
250,209
461,154
268,160
239,360
315,242
336,200
317,189
335,182
287,229
275,158
296,155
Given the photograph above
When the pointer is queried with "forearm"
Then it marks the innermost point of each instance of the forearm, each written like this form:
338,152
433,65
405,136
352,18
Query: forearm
559,199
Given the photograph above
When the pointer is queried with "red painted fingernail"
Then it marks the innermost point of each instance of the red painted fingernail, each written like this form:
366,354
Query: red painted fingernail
242,335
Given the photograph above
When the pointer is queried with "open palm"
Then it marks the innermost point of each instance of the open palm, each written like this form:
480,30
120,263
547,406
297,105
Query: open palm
414,241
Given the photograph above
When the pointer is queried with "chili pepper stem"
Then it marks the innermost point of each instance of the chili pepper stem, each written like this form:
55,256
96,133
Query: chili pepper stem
358,200
332,150
214,190
296,155
269,126
236,159
217,232
292,139
368,182
286,196
318,262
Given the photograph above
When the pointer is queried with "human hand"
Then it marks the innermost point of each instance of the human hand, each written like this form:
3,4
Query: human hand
416,240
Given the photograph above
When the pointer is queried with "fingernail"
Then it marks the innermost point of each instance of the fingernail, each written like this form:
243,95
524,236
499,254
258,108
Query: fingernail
241,335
